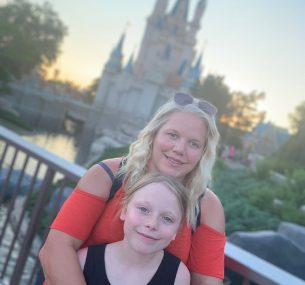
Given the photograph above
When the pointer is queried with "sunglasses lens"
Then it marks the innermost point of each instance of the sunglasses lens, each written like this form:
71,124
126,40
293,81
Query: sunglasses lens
207,107
183,99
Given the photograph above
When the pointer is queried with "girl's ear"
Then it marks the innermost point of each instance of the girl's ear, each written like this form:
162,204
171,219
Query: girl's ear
123,214
174,237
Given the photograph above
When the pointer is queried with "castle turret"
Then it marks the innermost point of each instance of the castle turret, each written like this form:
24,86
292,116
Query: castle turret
114,62
160,8
201,5
180,10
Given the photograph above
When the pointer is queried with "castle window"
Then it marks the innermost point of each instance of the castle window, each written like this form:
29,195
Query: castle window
167,52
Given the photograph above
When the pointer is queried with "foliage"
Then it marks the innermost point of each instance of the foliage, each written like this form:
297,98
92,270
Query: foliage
111,153
291,155
30,37
237,111
91,90
245,115
216,91
11,118
235,189
297,119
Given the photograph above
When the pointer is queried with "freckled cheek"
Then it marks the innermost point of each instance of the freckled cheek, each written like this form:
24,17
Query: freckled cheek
194,155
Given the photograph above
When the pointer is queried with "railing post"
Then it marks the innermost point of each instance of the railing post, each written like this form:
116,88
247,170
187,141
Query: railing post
32,229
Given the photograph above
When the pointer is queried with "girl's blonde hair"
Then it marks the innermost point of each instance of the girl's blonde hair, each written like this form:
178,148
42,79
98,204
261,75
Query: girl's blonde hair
141,149
172,184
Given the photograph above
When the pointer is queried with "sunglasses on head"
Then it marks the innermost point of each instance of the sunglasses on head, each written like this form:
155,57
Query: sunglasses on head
183,99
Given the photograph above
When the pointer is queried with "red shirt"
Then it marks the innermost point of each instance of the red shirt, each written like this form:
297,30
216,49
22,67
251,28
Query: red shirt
89,218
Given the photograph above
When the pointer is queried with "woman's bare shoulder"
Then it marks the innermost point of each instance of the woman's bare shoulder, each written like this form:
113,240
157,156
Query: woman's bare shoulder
97,181
212,212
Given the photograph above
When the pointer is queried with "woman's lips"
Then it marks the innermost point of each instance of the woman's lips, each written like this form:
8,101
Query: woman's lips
174,161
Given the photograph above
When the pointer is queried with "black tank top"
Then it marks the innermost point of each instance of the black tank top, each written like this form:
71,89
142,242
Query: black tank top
95,271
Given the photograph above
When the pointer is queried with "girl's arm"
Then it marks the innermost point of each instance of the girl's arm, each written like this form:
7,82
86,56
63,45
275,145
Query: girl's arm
73,225
183,276
82,255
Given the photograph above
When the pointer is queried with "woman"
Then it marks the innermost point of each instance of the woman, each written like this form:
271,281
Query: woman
180,141
153,210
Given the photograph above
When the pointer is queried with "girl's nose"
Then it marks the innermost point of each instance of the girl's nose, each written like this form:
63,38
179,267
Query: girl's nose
152,223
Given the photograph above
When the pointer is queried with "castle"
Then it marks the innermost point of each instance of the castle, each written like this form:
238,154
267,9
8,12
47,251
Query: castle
127,96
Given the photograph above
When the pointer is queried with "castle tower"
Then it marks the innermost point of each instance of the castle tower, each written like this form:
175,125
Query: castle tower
128,96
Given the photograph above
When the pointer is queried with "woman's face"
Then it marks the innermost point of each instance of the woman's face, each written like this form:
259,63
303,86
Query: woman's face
178,145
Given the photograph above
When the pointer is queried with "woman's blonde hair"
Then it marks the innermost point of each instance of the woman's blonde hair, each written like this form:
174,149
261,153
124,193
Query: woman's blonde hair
172,184
141,149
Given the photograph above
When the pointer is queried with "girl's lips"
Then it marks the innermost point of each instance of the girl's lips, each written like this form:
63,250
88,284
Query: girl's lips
147,236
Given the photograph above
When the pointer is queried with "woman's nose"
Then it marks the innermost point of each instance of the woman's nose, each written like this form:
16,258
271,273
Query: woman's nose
179,147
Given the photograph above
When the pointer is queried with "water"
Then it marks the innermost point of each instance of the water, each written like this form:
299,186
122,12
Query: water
59,144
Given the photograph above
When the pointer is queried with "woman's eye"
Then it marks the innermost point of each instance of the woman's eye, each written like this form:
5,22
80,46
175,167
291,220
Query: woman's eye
194,145
168,220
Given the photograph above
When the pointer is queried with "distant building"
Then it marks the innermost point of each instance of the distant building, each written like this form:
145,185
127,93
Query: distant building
127,96
265,139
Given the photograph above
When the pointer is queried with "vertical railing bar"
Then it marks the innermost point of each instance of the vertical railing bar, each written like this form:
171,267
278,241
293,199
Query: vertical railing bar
53,212
42,197
17,229
13,198
56,205
3,154
8,176
5,184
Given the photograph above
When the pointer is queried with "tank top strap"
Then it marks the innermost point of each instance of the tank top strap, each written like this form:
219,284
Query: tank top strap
167,270
94,269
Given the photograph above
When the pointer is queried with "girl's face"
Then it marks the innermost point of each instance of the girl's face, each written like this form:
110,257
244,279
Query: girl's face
151,218
178,145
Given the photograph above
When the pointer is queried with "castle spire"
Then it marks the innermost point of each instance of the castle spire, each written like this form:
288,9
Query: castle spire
118,50
129,65
160,7
114,62
201,5
181,8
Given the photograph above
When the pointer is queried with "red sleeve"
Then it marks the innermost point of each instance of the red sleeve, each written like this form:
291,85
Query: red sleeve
207,252
79,214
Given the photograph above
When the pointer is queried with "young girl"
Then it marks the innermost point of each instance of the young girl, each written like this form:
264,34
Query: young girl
153,209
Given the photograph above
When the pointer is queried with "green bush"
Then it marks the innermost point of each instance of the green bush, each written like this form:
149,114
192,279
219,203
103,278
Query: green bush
11,118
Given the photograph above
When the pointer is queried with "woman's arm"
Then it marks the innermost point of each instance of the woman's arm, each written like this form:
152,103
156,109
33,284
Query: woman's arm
59,260
211,234
58,255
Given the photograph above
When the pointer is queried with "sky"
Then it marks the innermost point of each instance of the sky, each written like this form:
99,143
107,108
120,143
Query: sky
256,45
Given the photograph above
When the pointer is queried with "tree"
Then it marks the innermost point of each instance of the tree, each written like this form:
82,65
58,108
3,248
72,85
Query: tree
297,119
291,155
237,111
245,115
216,91
30,37
91,90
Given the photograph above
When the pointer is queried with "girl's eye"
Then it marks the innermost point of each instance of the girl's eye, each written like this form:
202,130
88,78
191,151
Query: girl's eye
172,135
143,210
168,220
